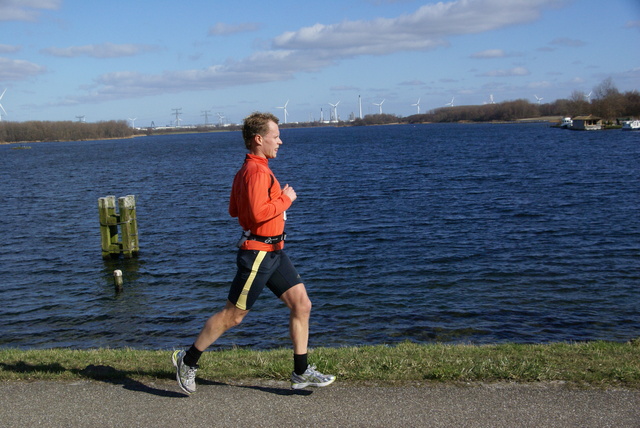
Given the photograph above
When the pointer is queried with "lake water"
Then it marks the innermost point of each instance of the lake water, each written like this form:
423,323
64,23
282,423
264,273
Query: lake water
431,233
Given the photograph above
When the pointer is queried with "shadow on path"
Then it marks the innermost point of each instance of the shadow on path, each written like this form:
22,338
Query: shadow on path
114,376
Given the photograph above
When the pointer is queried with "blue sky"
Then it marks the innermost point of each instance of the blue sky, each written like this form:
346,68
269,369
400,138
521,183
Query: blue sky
60,59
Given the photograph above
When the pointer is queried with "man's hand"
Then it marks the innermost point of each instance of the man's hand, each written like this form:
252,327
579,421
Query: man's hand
288,191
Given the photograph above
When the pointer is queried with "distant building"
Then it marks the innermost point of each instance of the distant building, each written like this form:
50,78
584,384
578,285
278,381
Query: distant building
586,123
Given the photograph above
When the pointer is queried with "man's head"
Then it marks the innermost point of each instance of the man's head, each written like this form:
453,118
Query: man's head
256,124
261,134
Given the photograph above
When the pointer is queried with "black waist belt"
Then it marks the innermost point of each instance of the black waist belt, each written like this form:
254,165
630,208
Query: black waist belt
268,239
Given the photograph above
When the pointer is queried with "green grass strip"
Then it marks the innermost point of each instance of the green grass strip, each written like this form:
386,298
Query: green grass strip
594,364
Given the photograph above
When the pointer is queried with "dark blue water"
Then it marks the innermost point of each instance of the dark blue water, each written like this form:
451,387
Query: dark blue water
432,233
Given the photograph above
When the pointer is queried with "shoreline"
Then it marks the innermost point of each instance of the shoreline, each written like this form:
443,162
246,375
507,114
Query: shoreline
548,120
608,365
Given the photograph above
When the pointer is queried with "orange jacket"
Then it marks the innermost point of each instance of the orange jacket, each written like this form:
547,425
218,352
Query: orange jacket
258,202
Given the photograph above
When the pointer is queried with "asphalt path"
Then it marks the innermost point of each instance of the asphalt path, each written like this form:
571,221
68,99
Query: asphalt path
93,403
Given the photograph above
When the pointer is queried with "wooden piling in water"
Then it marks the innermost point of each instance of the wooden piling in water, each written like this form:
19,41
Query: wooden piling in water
128,225
117,280
108,226
111,245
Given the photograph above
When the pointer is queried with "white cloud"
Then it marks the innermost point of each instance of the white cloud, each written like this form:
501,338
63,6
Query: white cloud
412,83
9,48
540,85
312,48
567,42
627,78
490,53
105,50
516,71
16,69
381,2
633,24
344,88
268,66
222,29
422,30
25,10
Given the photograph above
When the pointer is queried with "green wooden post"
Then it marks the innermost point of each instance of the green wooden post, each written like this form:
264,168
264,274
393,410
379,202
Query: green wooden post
108,226
112,247
128,225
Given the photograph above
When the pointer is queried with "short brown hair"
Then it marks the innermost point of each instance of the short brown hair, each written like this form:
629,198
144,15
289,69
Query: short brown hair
256,123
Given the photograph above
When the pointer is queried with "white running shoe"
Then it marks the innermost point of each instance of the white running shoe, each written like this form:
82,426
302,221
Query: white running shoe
185,375
311,377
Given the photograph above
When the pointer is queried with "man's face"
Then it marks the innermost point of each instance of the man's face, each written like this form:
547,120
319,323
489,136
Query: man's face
271,141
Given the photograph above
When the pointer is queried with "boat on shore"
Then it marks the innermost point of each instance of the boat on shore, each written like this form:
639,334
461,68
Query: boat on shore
631,125
566,123
581,123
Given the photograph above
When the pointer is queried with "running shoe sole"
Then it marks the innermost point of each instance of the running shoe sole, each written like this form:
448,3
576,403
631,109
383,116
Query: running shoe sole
174,359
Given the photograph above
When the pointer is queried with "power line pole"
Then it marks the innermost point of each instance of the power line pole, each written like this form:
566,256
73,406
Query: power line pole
177,112
205,113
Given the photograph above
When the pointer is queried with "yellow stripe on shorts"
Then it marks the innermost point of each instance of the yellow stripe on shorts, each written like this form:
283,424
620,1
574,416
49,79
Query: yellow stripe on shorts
242,300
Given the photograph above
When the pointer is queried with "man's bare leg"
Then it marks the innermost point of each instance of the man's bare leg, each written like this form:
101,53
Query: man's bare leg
230,316
298,302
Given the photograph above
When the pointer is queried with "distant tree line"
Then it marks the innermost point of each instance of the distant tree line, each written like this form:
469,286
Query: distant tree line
605,101
15,132
187,129
378,119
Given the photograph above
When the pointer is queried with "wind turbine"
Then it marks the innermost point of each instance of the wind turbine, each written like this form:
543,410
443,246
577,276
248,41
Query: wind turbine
5,112
284,107
133,122
417,105
335,111
451,103
538,99
221,119
588,97
379,105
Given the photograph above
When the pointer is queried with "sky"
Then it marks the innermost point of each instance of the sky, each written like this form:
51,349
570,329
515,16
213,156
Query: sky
207,61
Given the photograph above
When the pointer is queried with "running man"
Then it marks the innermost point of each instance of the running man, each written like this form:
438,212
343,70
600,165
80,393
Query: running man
259,203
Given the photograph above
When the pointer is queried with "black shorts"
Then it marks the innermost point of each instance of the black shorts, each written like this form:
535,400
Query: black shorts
257,269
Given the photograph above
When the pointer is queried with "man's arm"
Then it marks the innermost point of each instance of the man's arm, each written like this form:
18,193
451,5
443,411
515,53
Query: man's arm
261,206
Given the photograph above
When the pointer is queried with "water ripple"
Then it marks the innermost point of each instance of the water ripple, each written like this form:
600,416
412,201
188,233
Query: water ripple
433,233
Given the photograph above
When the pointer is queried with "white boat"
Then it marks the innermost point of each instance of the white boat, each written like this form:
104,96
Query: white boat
631,125
566,123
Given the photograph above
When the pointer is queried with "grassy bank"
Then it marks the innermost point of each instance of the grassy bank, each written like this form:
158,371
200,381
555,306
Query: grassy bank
594,364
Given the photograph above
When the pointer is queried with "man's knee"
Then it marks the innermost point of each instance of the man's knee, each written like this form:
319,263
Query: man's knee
298,300
232,315
305,304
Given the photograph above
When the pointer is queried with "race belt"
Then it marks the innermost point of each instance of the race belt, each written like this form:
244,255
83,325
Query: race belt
267,239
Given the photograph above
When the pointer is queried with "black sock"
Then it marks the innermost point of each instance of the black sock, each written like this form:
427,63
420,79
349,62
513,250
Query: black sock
192,356
299,363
